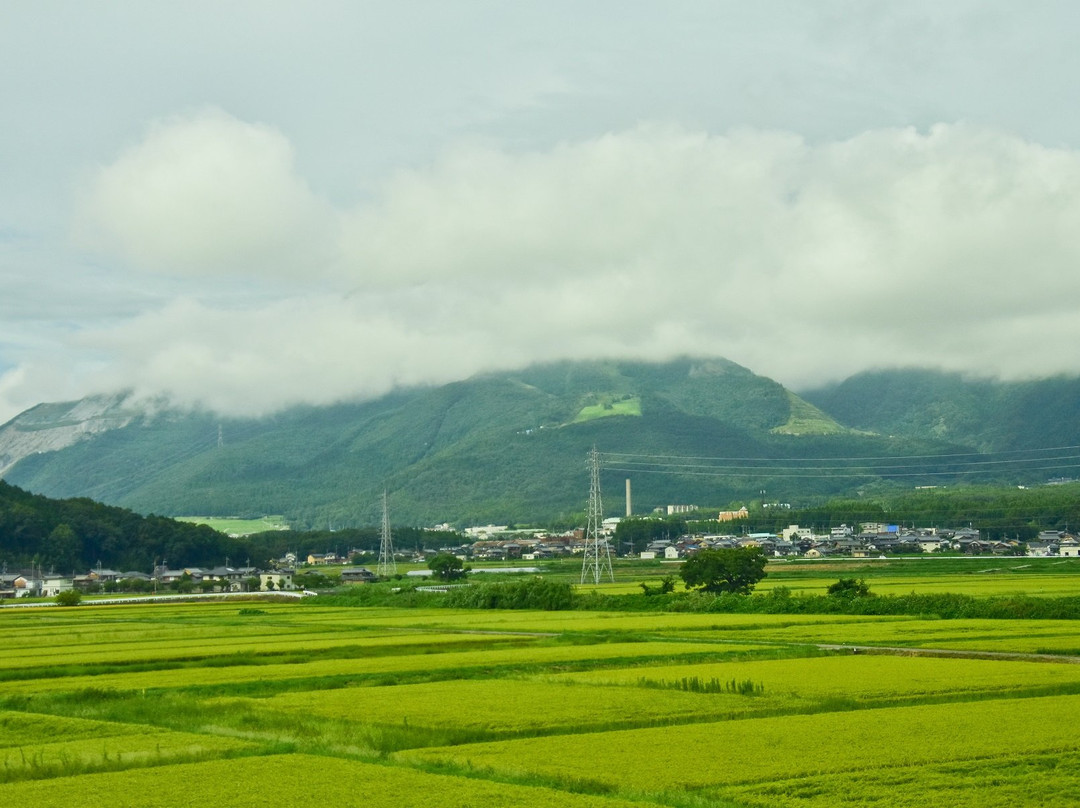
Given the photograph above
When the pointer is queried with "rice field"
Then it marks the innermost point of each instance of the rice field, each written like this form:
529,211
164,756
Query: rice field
299,702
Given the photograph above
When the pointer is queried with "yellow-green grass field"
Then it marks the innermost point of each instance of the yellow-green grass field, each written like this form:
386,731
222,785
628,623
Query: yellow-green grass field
301,702
289,779
438,661
235,526
863,678
979,577
512,706
688,758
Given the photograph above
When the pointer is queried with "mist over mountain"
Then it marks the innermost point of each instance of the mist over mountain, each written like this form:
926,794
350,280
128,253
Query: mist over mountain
512,446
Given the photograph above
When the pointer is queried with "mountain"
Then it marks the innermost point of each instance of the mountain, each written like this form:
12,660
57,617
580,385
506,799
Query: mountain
987,415
512,446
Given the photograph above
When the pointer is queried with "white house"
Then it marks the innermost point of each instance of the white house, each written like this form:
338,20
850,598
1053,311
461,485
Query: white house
276,580
53,585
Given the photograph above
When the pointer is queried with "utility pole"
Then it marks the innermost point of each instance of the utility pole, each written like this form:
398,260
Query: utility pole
597,550
387,565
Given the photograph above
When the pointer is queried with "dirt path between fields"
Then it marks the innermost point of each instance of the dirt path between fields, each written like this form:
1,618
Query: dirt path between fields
949,652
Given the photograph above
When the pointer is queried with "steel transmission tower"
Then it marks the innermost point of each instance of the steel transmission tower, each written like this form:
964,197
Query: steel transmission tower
387,565
597,550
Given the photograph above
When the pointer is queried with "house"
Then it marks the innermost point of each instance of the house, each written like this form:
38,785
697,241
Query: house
194,574
14,585
1039,549
229,579
357,575
671,552
102,576
276,580
933,544
1069,547
52,585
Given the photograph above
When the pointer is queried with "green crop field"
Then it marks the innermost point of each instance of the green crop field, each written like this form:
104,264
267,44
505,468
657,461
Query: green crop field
235,526
180,704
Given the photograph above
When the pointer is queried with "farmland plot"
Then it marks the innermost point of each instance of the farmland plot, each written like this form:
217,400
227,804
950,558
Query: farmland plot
511,707
289,780
701,756
374,706
862,678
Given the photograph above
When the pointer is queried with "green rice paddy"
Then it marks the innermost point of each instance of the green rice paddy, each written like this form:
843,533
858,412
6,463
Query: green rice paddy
301,702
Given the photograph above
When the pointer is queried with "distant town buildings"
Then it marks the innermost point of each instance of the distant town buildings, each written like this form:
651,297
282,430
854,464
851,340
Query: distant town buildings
500,543
731,516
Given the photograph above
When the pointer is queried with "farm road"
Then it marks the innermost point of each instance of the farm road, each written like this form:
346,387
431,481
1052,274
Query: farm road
949,652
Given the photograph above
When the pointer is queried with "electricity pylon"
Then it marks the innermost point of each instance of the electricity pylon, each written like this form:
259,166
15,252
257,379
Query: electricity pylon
597,549
387,565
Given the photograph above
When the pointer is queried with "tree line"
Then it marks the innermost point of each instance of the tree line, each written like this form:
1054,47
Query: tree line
74,535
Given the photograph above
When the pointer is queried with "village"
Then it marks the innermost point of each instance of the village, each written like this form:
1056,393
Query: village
869,540
501,543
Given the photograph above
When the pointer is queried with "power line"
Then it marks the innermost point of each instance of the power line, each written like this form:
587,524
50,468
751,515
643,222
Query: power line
1056,458
864,458
765,471
844,468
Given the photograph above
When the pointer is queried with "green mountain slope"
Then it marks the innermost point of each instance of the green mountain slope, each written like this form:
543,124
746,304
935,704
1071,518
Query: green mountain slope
506,446
985,414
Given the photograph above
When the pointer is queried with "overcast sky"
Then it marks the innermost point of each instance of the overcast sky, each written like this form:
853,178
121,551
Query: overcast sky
250,205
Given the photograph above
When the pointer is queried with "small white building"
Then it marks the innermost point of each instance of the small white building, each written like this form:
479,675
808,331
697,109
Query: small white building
276,581
53,585
933,544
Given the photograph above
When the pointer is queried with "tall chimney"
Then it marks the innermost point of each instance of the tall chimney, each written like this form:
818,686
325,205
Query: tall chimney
628,510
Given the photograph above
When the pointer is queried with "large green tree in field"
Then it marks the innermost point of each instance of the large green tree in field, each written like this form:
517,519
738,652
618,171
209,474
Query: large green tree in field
734,569
447,567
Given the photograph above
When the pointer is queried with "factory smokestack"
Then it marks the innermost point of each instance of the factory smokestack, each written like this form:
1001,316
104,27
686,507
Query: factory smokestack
629,511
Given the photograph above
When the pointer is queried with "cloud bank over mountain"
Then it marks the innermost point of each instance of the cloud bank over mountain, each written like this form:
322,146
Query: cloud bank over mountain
246,210
951,248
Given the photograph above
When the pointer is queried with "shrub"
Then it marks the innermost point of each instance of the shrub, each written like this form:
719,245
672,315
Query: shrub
69,597
849,588
532,593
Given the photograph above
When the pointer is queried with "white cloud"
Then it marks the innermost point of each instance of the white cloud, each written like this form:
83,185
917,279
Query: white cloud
955,247
207,194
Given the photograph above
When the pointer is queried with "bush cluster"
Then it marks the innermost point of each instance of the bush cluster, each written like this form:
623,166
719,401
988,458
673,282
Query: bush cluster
533,593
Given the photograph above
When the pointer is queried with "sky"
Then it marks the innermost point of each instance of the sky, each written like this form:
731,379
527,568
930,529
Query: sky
251,205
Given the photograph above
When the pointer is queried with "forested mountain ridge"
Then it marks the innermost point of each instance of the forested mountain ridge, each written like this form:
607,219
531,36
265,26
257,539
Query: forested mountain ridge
985,414
512,446
69,535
